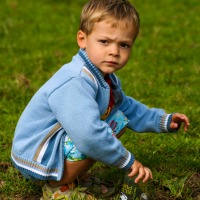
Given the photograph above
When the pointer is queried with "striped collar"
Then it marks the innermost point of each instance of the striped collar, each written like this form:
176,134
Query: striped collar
93,69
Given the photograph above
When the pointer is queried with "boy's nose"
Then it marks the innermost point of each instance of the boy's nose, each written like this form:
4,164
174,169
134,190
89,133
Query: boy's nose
114,50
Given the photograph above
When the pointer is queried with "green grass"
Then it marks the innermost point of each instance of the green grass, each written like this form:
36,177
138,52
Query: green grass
38,37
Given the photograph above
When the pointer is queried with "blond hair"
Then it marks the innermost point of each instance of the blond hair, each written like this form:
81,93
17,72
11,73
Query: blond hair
99,10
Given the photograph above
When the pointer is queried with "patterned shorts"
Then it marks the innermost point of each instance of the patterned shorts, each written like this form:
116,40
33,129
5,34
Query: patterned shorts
116,121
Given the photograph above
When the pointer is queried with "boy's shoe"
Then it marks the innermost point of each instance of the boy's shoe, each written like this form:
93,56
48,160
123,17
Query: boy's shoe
130,190
94,185
65,193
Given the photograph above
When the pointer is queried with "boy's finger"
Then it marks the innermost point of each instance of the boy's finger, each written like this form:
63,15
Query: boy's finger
173,125
141,175
133,172
186,126
186,121
147,175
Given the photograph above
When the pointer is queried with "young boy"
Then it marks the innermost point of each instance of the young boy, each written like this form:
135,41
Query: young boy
73,119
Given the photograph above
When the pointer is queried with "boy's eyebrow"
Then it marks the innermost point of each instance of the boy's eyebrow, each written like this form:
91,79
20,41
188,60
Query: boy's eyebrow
127,41
121,41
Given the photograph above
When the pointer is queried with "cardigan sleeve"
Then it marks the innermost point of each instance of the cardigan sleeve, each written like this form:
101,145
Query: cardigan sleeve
75,107
144,119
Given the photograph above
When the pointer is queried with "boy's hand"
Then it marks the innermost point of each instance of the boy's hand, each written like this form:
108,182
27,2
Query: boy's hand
177,119
144,173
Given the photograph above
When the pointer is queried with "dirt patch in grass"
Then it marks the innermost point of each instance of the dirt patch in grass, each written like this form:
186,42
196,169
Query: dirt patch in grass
191,190
5,165
194,184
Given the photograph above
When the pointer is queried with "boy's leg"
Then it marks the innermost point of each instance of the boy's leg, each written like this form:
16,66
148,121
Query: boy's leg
78,169
73,170
65,188
76,164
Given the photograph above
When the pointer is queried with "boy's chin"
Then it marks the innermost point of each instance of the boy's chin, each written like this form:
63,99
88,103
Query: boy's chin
104,72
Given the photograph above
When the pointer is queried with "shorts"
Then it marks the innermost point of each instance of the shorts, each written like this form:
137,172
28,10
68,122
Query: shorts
116,121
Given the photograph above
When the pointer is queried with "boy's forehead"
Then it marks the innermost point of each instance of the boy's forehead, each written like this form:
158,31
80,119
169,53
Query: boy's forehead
120,29
113,23
123,24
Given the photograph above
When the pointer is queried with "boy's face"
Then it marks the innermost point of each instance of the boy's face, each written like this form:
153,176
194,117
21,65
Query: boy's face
109,45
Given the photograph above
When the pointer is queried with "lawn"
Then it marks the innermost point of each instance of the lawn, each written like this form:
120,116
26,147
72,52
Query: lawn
38,37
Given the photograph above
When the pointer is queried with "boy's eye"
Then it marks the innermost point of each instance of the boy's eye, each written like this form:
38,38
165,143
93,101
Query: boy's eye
124,45
103,41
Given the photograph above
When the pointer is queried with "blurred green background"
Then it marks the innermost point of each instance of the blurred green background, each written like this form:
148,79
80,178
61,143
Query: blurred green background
38,37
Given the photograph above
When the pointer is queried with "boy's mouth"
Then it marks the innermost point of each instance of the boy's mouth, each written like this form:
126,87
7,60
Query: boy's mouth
111,63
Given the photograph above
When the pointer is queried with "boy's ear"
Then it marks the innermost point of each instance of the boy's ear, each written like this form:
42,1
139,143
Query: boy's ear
81,39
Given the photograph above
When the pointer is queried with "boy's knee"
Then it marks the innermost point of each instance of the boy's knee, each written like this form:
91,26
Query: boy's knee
74,169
